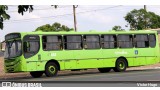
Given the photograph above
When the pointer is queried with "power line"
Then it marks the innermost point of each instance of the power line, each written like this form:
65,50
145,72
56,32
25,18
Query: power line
39,9
63,14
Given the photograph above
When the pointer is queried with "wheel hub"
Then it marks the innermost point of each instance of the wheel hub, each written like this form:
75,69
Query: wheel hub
121,65
52,69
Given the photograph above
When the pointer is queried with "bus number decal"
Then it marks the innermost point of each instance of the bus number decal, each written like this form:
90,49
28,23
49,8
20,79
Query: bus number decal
53,54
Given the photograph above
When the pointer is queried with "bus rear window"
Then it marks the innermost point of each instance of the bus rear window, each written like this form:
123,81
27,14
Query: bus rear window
152,40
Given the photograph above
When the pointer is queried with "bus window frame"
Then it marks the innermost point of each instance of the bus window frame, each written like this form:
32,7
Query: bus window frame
84,41
135,42
62,47
152,41
115,42
125,41
26,39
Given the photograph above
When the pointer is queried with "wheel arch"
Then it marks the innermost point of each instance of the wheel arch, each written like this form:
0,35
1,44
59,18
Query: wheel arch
54,61
123,58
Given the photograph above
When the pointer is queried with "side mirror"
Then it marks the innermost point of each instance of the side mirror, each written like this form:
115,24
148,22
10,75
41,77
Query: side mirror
2,46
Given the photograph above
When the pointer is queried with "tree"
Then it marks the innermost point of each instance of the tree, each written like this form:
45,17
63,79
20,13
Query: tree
55,27
141,19
117,28
21,10
3,15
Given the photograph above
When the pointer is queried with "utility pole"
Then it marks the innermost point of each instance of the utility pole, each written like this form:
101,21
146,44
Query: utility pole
145,17
74,14
145,7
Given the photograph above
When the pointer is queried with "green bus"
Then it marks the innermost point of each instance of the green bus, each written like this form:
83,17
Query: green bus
50,52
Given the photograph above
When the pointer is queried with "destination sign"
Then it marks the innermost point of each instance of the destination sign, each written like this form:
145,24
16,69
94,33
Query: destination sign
31,37
12,36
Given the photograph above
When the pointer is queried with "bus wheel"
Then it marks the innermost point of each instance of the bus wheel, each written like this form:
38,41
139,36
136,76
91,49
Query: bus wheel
121,65
103,70
36,74
51,69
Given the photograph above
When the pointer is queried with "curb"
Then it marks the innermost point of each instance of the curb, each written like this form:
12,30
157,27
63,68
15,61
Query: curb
157,68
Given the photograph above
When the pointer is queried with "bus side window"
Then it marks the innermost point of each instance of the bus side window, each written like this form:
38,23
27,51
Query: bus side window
141,41
125,41
91,41
73,42
53,42
108,41
152,40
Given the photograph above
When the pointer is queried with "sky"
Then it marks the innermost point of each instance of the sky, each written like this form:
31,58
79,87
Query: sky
91,17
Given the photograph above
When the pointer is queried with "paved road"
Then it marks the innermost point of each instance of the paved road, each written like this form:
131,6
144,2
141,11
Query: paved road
133,75
95,78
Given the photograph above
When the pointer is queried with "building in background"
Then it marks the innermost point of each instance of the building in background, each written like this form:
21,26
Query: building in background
2,46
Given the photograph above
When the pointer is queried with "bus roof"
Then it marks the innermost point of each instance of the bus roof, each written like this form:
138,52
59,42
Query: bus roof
95,32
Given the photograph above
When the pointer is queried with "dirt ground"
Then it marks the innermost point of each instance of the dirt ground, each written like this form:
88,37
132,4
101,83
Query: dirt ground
14,75
9,75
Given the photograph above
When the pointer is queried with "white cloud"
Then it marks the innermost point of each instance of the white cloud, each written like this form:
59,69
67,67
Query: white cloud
154,8
19,17
68,23
97,20
33,16
98,17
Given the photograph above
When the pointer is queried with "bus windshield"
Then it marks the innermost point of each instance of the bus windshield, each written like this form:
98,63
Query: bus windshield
13,49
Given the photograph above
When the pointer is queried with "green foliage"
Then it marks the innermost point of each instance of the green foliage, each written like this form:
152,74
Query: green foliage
55,27
24,8
117,28
21,10
141,19
3,15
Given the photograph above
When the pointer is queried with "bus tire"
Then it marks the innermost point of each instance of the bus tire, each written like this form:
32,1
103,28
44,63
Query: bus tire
121,65
51,69
36,74
104,70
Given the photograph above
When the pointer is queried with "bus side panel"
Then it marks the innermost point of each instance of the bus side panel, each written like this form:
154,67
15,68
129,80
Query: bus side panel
88,58
62,57
31,63
41,65
151,55
89,63
140,61
130,61
112,55
70,64
31,66
110,62
151,60
109,57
